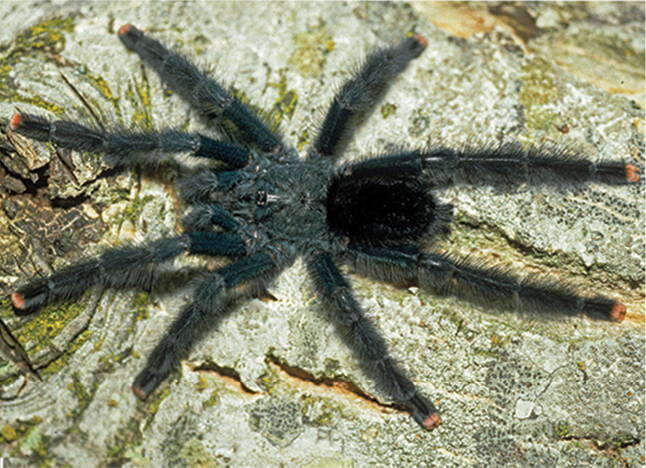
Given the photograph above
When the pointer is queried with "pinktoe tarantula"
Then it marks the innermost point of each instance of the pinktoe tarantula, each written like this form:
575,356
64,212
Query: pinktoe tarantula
263,206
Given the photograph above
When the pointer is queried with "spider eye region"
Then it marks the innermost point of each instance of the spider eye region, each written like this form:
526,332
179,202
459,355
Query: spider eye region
287,201
261,198
379,206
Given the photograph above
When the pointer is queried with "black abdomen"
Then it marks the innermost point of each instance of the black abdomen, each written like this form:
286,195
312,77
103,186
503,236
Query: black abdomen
380,199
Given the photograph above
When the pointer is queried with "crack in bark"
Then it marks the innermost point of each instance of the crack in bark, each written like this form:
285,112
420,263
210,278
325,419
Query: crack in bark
610,447
32,186
226,373
66,203
344,387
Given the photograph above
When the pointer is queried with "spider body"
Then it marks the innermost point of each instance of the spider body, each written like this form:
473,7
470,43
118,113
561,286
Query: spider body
314,205
262,206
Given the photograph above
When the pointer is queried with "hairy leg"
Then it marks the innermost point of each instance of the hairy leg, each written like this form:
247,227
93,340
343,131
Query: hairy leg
359,95
204,216
406,264
507,163
369,347
128,148
202,92
201,187
121,267
209,304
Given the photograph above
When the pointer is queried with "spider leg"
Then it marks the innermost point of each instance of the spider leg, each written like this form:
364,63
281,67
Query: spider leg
358,96
406,264
201,187
209,304
512,164
128,148
121,267
366,342
204,217
202,92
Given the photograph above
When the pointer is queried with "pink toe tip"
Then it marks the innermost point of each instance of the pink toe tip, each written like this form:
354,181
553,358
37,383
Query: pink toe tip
632,173
18,300
15,121
618,312
420,39
125,29
432,421
139,392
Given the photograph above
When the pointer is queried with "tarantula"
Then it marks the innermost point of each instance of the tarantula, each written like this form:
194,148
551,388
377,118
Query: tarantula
263,206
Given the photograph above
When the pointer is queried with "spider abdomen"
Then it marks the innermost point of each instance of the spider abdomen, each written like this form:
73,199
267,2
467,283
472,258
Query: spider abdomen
370,203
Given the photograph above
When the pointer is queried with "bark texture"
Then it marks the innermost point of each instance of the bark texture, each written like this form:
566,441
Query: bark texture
274,385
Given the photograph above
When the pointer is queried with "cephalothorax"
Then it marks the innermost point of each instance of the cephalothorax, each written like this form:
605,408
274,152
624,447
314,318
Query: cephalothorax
262,206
